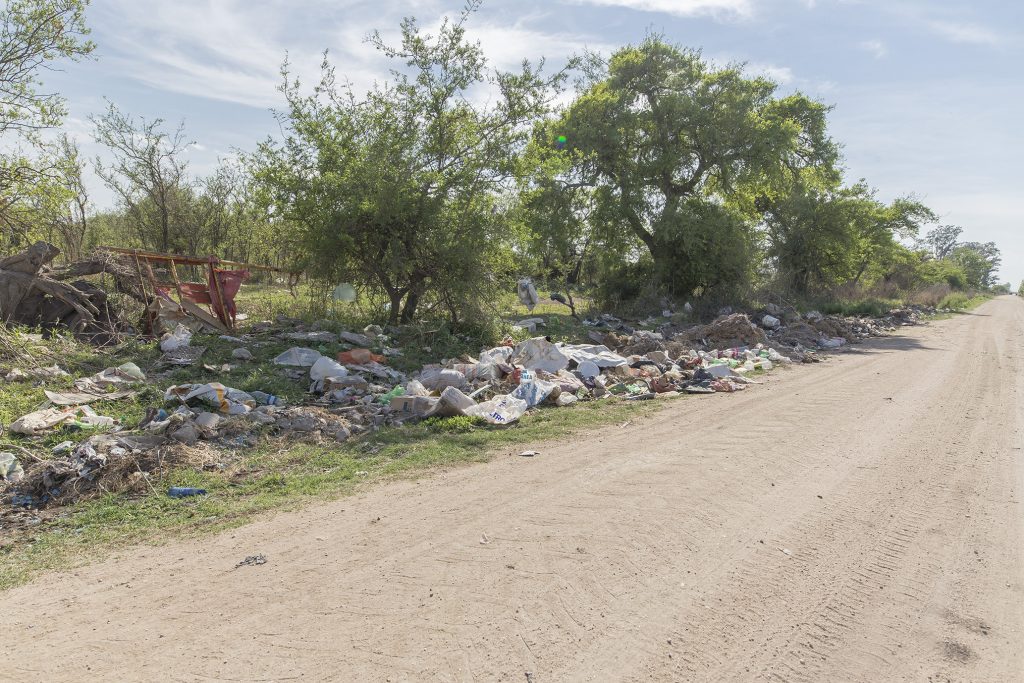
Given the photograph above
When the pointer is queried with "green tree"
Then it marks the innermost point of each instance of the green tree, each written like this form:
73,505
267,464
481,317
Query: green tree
405,191
820,235
942,240
147,175
664,138
35,35
980,262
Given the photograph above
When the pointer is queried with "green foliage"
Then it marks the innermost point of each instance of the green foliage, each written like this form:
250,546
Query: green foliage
979,262
33,35
459,424
402,191
662,137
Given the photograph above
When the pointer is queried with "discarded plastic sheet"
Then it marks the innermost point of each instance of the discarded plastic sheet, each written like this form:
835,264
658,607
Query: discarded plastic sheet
323,369
181,336
527,293
499,355
415,388
539,354
453,402
18,375
225,399
298,356
598,354
321,337
43,420
500,410
10,468
536,392
720,371
436,379
185,355
81,398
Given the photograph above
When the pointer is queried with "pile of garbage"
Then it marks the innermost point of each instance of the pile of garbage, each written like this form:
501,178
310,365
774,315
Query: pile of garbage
503,383
800,336
356,391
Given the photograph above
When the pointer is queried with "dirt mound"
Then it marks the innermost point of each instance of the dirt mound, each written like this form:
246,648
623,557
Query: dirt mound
728,331
800,333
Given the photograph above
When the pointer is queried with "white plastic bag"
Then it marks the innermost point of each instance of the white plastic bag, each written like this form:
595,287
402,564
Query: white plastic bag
298,356
172,341
536,392
539,354
436,379
323,369
499,410
527,293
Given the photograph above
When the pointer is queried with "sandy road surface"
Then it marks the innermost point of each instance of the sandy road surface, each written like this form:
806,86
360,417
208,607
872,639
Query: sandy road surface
855,521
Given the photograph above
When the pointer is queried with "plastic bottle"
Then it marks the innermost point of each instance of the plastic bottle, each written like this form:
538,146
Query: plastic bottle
184,492
266,399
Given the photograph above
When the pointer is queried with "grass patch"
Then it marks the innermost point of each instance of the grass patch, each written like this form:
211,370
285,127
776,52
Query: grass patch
275,476
872,307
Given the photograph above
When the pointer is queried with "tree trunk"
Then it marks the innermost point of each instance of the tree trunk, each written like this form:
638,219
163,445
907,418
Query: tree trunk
409,310
395,296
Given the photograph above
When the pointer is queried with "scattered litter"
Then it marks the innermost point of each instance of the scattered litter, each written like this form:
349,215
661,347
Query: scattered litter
527,293
298,356
78,398
172,341
10,468
52,372
252,561
185,355
43,420
529,454
360,357
185,492
225,399
539,354
319,337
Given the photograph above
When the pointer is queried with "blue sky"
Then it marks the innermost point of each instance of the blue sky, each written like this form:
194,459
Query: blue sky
928,95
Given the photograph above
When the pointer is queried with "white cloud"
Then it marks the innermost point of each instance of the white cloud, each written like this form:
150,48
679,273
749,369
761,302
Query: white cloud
232,50
875,48
973,34
683,8
782,75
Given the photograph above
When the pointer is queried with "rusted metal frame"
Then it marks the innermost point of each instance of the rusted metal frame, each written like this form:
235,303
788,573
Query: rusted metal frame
220,295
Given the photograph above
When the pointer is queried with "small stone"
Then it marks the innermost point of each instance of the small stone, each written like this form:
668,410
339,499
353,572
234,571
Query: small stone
242,354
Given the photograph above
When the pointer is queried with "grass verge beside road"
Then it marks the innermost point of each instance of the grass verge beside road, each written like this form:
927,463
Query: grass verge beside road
280,476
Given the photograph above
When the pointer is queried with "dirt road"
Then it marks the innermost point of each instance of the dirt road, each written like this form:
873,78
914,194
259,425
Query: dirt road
859,520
